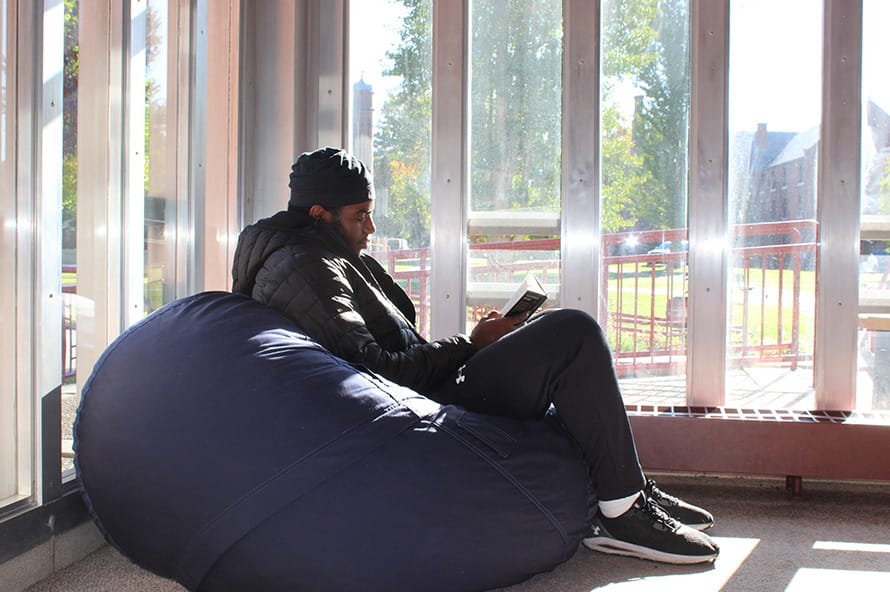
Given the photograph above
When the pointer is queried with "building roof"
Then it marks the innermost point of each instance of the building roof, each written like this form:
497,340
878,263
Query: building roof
798,145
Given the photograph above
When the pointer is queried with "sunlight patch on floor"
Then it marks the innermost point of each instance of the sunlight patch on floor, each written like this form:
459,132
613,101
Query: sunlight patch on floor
858,547
809,579
733,553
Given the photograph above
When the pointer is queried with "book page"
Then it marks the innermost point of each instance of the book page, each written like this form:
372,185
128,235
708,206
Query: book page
526,299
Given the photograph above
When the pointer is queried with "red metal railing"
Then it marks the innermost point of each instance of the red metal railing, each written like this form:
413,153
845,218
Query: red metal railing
644,305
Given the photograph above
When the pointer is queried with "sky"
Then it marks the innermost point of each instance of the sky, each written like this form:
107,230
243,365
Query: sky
776,46
375,30
775,64
876,48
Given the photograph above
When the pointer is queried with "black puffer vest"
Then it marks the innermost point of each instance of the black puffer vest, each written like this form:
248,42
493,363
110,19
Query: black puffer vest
348,303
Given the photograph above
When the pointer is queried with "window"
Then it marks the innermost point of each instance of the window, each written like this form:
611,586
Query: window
30,231
12,486
163,202
125,246
391,81
774,114
515,150
70,398
643,145
873,388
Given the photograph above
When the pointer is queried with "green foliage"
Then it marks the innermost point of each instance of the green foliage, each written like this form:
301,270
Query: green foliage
515,106
628,37
69,200
515,103
69,80
155,101
402,135
647,43
153,106
69,125
623,176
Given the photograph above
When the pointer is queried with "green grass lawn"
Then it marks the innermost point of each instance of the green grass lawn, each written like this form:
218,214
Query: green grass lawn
764,314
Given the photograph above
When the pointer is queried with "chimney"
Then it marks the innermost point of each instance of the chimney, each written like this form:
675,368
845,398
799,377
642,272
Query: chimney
761,137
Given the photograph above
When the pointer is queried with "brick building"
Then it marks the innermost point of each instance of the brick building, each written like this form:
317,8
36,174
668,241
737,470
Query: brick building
775,172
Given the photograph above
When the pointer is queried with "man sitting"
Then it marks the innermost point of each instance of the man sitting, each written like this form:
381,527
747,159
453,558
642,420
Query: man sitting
307,263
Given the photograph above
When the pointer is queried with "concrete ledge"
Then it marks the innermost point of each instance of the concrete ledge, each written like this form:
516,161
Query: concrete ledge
37,541
42,561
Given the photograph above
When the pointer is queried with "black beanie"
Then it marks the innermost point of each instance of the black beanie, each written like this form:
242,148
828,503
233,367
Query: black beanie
330,177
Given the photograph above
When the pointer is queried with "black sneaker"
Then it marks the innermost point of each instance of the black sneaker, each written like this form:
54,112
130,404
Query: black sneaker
691,516
646,531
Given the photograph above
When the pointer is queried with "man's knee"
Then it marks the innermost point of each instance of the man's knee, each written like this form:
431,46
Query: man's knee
570,323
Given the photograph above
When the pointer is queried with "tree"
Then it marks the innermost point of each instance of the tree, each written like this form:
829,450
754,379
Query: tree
71,75
515,106
402,137
647,43
623,175
515,103
69,125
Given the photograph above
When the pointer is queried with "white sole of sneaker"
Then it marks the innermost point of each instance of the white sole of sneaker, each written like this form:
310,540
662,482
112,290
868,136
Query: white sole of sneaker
616,547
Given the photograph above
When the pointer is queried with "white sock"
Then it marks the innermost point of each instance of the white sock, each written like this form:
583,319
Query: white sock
617,507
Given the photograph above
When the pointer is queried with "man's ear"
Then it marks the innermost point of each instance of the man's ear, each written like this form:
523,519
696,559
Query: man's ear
320,213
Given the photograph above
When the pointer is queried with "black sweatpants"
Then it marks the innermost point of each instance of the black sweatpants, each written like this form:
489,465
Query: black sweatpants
560,357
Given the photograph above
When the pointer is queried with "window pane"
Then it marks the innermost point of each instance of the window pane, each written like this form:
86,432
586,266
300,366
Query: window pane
156,169
775,77
160,163
515,149
873,390
9,436
645,104
70,397
390,62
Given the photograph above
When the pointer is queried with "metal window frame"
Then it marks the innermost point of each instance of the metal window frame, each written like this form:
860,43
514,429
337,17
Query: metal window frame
270,102
32,246
16,408
218,211
708,221
133,160
329,55
838,206
581,229
281,88
47,263
100,154
185,60
449,182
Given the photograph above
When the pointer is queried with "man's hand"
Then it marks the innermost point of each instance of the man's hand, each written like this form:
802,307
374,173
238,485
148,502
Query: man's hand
493,326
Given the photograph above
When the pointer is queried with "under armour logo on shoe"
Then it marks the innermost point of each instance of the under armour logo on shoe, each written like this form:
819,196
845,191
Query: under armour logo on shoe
460,375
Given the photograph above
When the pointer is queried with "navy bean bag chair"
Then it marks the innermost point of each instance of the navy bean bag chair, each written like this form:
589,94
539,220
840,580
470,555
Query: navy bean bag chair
218,446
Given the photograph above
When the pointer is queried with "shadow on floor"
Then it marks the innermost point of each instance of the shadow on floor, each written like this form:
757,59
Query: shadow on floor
836,536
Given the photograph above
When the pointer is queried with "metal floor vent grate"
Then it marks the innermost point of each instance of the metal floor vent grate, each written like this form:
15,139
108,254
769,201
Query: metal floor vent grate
786,415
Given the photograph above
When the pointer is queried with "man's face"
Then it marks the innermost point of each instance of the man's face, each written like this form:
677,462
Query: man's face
355,224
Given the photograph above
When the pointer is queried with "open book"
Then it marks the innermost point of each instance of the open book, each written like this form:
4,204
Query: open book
526,299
